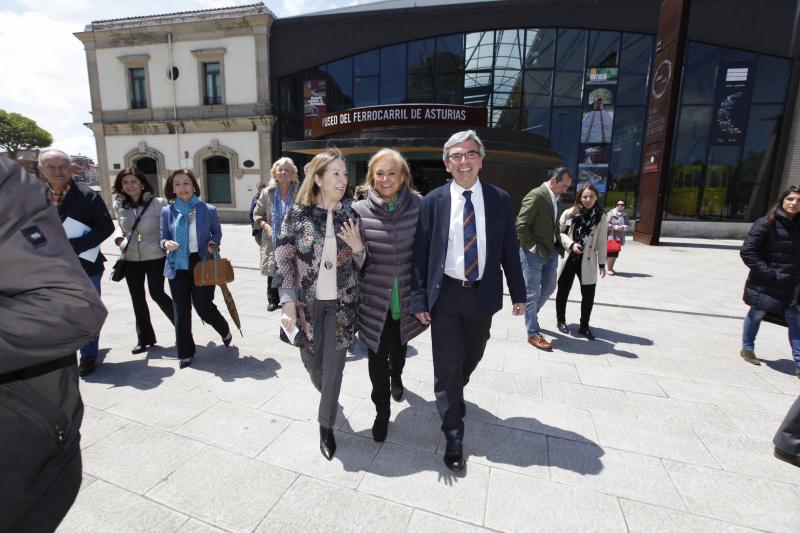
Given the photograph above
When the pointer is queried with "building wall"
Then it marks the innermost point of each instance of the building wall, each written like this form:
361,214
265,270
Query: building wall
239,76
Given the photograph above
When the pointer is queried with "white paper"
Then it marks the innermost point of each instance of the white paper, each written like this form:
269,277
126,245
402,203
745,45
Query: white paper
75,229
290,334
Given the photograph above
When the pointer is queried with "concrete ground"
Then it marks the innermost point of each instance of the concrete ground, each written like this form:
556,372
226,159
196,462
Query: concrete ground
658,425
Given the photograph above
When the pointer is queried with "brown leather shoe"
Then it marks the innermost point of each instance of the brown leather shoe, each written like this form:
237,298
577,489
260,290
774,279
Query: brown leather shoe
87,366
540,342
750,357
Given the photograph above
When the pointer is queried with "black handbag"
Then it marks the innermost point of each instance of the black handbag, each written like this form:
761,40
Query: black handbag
118,270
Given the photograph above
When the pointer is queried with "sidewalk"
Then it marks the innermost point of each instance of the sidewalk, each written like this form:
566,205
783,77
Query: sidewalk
658,425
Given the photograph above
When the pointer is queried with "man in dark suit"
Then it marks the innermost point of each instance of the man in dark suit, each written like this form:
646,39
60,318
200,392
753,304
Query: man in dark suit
80,203
465,234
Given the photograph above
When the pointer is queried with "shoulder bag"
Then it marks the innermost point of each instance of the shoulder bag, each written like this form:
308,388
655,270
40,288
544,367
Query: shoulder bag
118,270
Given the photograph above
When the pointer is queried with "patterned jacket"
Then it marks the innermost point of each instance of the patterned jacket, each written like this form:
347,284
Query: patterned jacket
298,257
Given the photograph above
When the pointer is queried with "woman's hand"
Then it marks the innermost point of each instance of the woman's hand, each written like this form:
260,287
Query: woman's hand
266,228
118,241
602,272
351,235
171,246
212,246
577,249
288,315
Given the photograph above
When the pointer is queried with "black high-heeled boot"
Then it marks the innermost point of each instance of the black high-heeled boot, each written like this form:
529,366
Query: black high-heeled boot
327,444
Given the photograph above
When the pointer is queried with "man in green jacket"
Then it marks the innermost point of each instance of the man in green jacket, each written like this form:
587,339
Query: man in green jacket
537,231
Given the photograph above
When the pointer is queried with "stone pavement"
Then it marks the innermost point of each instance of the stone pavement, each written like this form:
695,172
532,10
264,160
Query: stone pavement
658,425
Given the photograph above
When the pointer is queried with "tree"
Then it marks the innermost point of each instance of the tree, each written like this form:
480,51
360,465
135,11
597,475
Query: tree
18,132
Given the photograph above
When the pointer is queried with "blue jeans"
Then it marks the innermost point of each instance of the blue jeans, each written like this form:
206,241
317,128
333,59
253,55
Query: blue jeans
540,282
89,350
753,321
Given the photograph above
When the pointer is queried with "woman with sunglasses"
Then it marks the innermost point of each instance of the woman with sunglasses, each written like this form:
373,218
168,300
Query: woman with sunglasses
618,224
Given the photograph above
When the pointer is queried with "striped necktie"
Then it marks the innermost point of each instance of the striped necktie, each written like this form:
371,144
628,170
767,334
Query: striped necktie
470,240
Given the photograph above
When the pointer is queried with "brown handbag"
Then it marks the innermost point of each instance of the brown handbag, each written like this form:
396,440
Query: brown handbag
214,270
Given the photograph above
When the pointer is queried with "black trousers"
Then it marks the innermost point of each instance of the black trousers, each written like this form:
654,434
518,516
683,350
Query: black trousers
787,439
459,332
386,363
572,269
185,294
272,293
135,274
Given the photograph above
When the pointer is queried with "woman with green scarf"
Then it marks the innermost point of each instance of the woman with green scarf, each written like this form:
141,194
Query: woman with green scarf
385,325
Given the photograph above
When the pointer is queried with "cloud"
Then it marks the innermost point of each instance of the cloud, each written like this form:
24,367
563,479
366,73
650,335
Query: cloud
47,81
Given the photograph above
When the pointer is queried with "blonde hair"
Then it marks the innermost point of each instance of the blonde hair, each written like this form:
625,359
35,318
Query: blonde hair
400,161
307,194
274,170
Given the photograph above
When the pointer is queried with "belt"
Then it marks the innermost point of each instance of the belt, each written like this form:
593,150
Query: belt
461,282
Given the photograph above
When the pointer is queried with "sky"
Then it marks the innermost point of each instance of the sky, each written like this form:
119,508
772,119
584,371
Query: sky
44,64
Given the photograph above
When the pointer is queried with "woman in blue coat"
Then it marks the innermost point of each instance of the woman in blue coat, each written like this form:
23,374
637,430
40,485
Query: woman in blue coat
772,253
189,230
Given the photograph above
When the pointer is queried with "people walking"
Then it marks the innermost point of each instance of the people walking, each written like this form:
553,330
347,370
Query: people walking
583,229
772,253
318,257
271,207
464,236
618,224
87,224
138,213
190,230
389,216
537,230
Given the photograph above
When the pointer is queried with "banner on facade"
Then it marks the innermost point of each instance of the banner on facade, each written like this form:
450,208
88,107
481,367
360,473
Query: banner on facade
314,95
732,104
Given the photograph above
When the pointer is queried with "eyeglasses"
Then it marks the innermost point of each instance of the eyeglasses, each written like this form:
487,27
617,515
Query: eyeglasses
623,205
459,156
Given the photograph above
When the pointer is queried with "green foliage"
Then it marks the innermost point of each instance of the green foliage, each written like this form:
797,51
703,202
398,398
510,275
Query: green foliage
18,132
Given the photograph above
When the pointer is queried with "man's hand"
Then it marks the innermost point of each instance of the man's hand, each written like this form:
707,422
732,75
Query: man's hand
518,309
424,317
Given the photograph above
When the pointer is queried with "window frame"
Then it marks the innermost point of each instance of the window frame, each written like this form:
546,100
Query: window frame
204,56
130,63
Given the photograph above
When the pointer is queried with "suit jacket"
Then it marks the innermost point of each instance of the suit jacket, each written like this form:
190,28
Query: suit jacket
208,230
536,224
86,206
430,250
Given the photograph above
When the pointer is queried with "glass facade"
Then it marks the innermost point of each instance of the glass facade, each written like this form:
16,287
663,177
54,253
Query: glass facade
586,92
730,113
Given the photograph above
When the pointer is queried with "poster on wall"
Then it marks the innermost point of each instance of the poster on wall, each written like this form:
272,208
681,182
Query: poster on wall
732,104
314,96
600,90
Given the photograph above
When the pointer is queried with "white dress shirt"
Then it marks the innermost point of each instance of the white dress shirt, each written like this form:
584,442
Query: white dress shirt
454,260
193,248
555,202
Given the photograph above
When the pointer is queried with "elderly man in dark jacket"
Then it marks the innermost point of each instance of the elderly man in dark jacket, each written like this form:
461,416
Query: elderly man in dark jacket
48,309
79,206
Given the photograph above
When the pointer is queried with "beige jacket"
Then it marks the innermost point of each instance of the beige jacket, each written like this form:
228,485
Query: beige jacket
594,250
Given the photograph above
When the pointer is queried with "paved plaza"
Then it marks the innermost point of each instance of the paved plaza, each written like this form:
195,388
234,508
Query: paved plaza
658,425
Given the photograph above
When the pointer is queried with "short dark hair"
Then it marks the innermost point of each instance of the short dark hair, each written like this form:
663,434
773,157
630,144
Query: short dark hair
559,173
169,191
116,189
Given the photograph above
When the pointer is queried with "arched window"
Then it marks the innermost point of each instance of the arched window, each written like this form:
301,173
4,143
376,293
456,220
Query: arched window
149,166
218,180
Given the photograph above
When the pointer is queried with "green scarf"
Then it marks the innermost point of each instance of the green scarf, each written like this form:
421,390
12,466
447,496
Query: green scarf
394,303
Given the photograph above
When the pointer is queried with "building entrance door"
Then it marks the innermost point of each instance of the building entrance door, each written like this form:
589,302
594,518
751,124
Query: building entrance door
428,174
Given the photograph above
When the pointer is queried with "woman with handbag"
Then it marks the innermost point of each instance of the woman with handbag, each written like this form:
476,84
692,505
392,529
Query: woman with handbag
772,253
618,224
190,230
583,234
138,215
273,202
318,258
389,216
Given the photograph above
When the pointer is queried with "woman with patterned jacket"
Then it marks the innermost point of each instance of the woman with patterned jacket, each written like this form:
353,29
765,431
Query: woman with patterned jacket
318,257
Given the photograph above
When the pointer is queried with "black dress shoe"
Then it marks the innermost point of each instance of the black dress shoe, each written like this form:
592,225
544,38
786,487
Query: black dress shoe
272,306
454,454
586,332
380,428
87,366
397,389
562,327
142,347
327,444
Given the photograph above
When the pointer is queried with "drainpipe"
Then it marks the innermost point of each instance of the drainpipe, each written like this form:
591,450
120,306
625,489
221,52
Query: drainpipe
174,101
